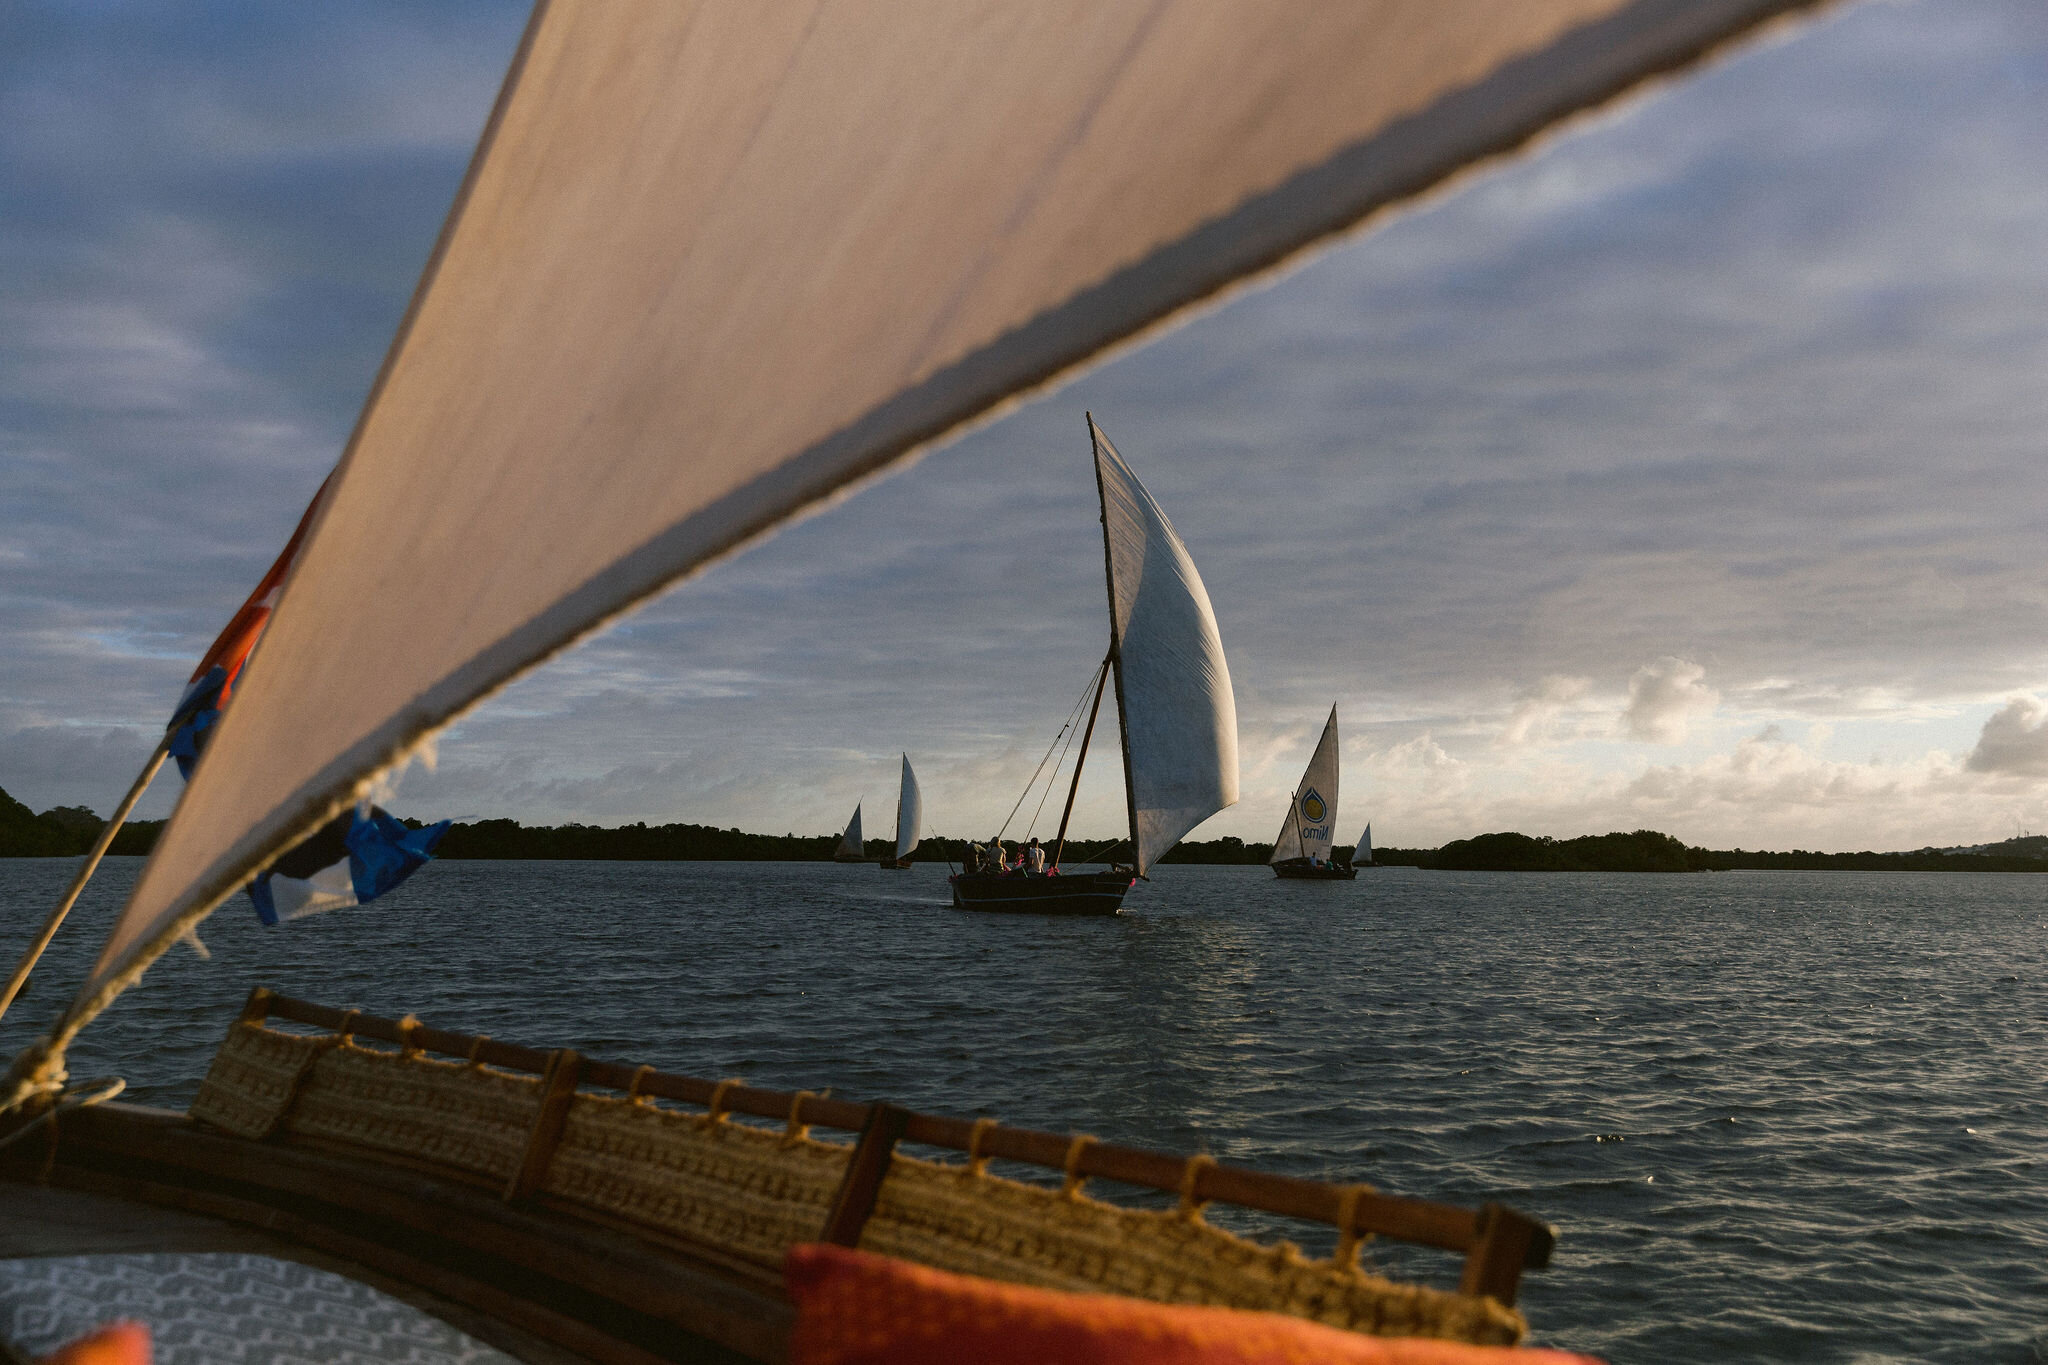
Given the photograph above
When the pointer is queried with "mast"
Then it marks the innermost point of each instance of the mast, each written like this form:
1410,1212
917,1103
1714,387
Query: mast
1116,654
1060,843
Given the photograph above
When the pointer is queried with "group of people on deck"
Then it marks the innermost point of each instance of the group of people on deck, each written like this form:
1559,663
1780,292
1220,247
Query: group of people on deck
994,860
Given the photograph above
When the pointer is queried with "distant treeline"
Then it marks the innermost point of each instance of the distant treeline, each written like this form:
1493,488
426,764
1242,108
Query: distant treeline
64,831
704,843
1646,850
67,831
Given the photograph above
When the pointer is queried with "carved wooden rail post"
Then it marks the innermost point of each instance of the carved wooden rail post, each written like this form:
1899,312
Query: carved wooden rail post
1508,1243
557,1089
865,1171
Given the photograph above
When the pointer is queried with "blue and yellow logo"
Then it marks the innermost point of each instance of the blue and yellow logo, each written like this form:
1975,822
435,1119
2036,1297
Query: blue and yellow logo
1312,808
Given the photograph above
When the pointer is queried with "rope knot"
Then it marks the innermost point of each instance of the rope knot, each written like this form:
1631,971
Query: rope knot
1191,1200
977,1164
716,1114
796,1130
640,1075
1345,1257
1080,1144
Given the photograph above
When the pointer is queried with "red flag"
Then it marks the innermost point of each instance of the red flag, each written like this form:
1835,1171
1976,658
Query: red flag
231,647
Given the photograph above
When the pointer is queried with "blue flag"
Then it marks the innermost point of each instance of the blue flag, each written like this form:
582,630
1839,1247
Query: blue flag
351,860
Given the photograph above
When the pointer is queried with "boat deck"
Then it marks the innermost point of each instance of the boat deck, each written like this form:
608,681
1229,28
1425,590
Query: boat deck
47,1223
138,1182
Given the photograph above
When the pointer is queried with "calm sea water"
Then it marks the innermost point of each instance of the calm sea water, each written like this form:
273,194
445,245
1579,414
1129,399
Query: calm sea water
1776,1116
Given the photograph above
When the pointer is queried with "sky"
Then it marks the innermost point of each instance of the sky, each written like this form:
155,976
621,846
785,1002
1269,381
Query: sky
1685,473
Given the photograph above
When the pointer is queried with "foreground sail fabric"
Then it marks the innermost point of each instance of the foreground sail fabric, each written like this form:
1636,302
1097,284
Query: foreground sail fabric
909,812
713,262
1311,821
1173,686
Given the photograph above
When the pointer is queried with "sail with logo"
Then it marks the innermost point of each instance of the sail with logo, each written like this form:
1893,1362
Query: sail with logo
909,819
1302,848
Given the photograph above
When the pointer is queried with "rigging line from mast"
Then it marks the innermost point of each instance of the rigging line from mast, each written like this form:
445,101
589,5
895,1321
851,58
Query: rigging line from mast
1294,818
1053,778
1073,715
1060,843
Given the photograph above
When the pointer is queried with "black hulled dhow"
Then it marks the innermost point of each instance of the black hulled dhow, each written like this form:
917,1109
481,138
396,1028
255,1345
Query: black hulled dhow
1176,715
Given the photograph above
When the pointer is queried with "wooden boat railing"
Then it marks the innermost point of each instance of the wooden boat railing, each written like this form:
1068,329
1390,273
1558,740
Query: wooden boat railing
1497,1242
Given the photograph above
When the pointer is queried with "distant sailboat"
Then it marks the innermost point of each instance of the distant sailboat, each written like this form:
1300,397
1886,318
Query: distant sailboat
850,848
1176,715
1362,855
1302,848
909,819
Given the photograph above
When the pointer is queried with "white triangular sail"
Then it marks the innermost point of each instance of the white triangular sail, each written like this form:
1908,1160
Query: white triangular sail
909,812
701,274
1362,855
1312,813
850,846
1177,712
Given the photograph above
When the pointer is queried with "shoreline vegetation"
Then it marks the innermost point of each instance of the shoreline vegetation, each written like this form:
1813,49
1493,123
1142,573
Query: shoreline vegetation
67,831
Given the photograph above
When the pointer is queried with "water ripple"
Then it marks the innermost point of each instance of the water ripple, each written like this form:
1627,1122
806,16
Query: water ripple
1778,1116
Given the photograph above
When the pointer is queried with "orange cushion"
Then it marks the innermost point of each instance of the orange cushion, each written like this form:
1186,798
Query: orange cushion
858,1309
123,1343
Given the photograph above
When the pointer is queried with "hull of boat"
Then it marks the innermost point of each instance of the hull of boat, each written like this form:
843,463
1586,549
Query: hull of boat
895,864
544,1263
1300,869
1086,893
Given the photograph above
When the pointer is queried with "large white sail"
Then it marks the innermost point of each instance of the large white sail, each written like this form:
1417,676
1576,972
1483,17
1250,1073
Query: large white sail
700,276
850,844
1312,814
909,812
1177,712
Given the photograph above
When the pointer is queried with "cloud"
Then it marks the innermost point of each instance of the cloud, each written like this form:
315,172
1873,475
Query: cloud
1663,698
1746,372
2014,740
1538,709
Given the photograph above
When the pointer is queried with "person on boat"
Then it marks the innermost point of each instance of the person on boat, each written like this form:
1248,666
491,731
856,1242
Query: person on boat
975,854
998,861
1034,859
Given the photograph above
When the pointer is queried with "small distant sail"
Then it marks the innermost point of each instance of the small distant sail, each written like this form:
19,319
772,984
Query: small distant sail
1179,715
1312,815
850,846
1363,853
909,812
